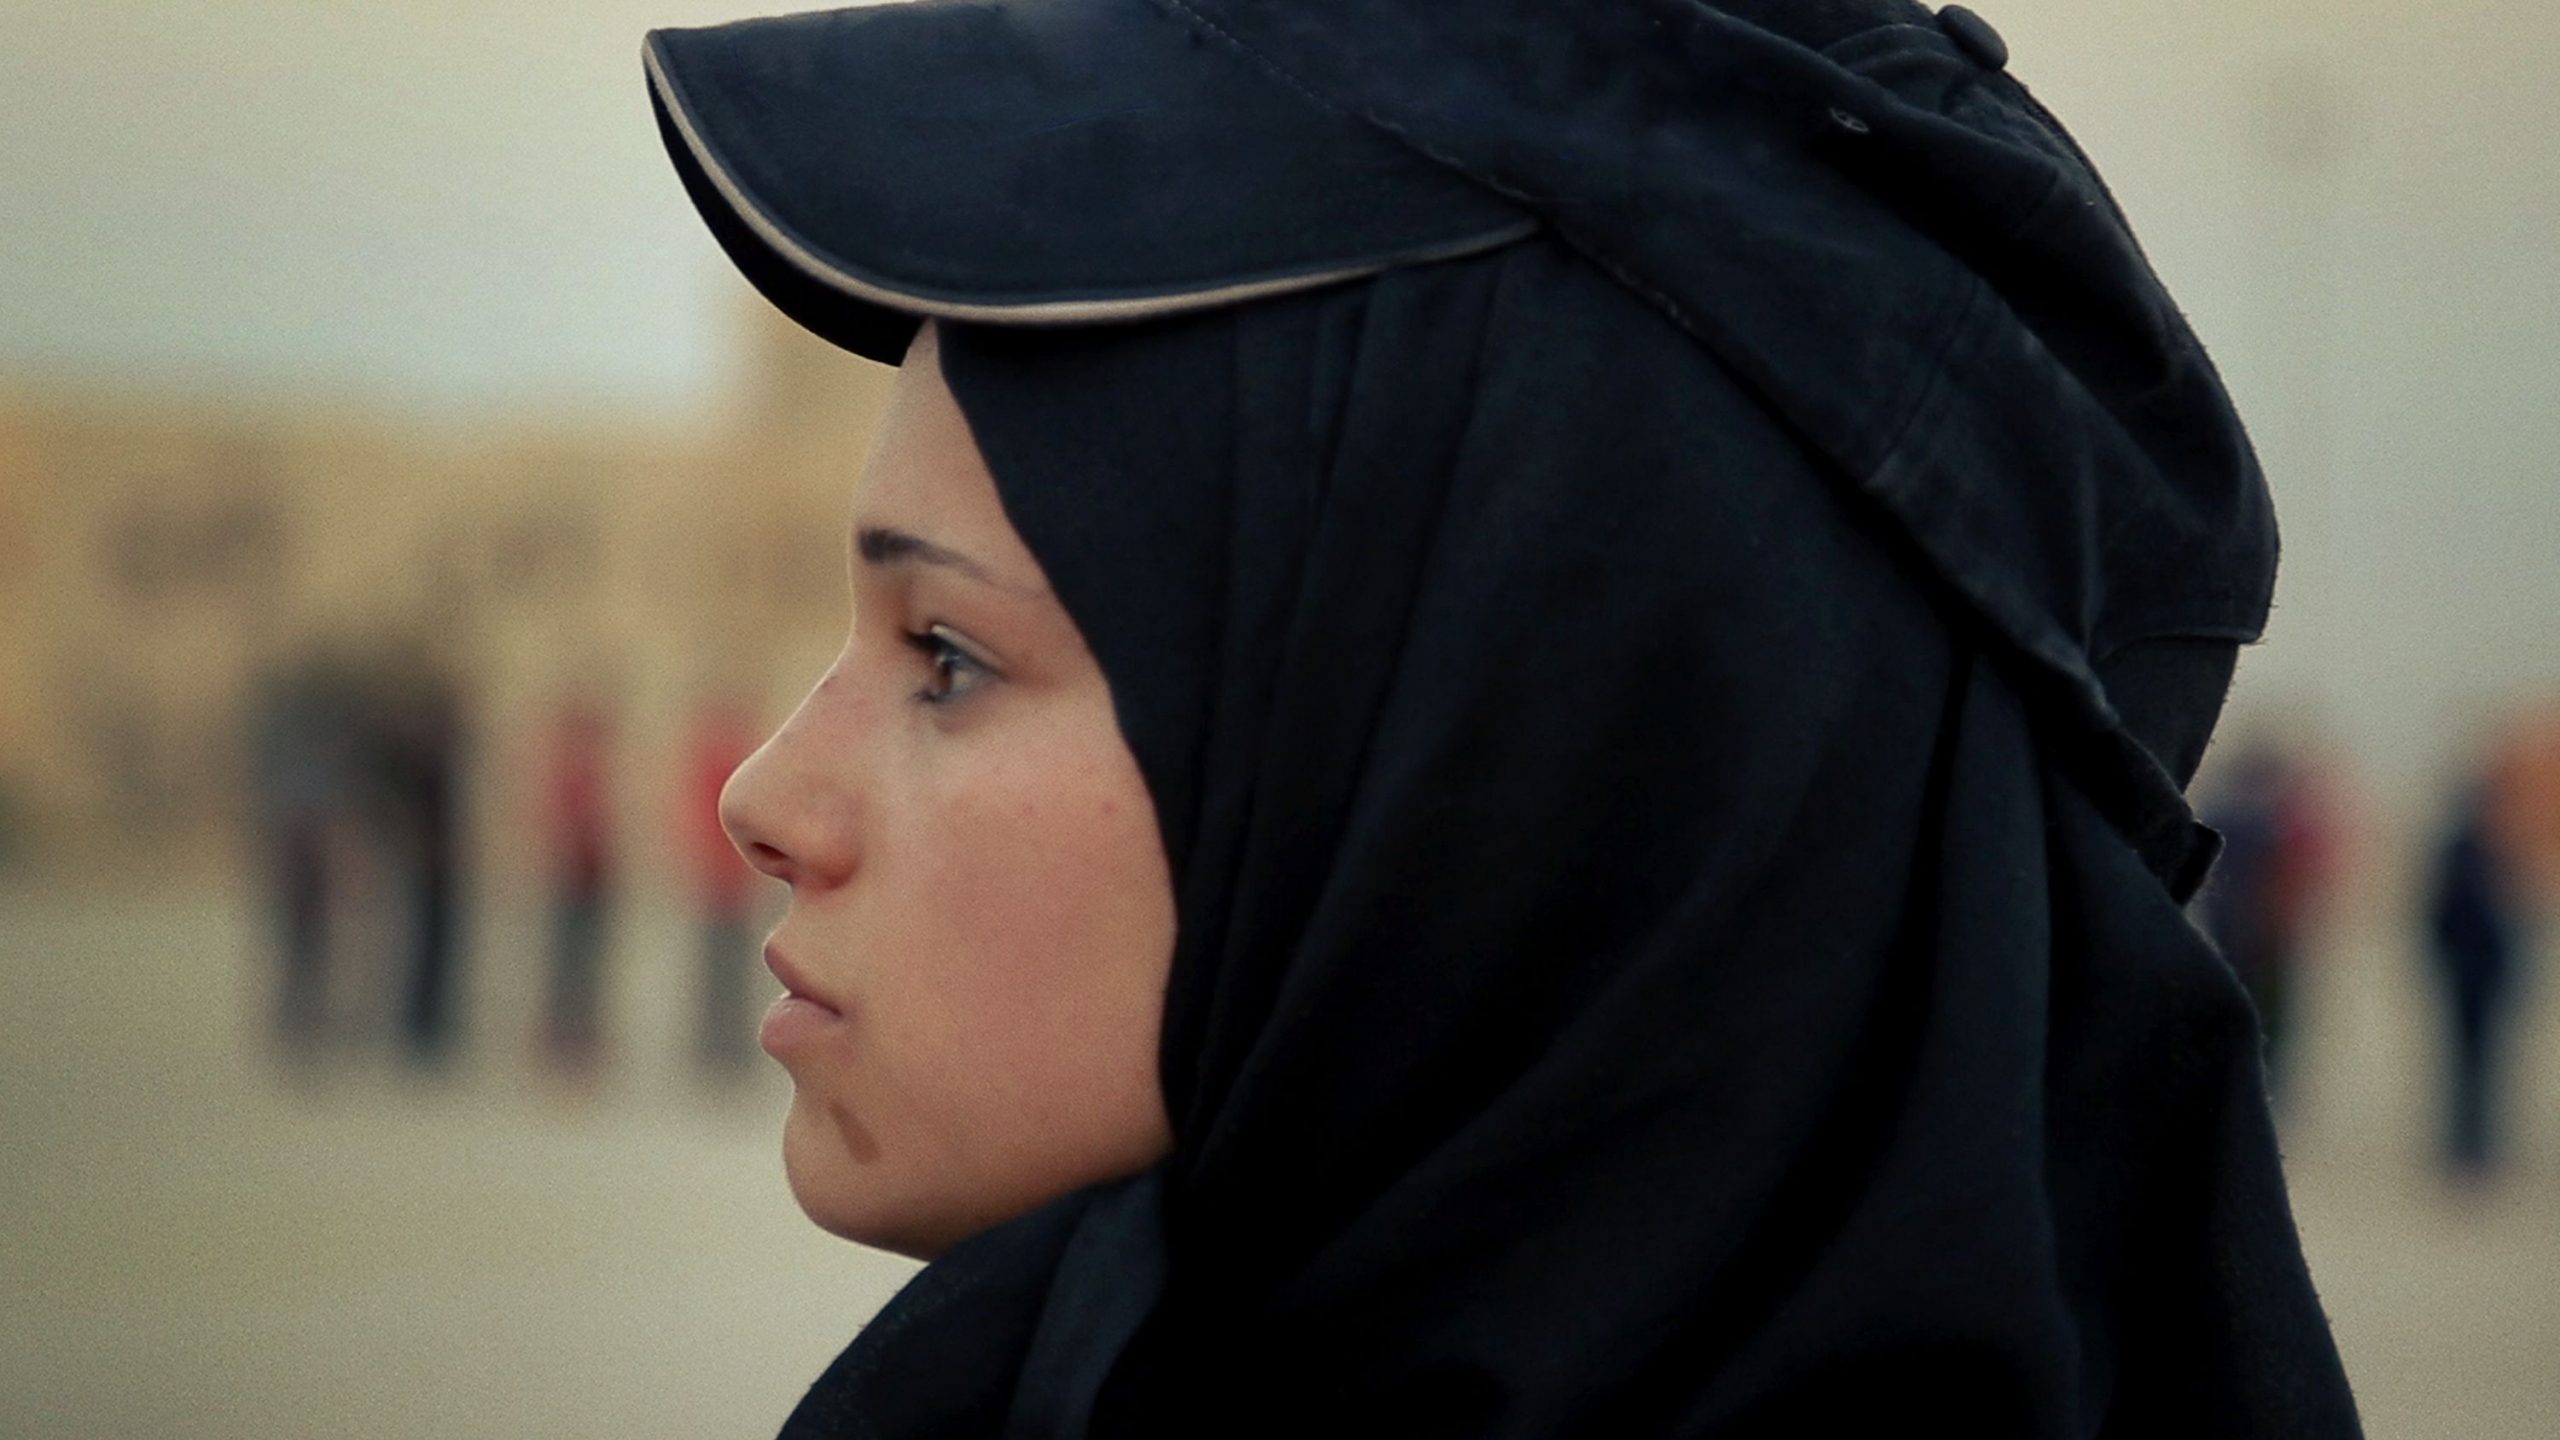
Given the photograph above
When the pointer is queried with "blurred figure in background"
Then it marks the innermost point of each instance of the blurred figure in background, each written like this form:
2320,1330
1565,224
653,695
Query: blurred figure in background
577,826
722,738
2472,927
2527,767
415,756
2278,864
302,768
2496,865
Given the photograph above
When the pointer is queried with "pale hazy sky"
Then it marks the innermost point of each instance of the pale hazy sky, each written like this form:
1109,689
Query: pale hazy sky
441,200
454,203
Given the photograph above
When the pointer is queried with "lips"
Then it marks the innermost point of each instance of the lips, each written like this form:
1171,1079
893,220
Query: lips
799,1021
795,986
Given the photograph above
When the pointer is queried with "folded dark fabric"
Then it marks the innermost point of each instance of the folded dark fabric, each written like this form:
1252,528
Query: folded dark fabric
1665,624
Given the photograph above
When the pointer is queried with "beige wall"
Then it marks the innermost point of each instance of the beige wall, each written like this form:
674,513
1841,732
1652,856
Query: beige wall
156,555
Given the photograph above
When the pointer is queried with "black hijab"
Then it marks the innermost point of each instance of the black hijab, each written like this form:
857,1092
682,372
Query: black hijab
1644,967
1678,855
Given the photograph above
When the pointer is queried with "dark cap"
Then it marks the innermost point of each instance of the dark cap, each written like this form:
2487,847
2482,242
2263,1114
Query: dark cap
1063,162
1851,204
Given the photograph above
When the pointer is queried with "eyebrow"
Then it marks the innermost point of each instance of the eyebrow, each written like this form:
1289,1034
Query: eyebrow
881,545
886,545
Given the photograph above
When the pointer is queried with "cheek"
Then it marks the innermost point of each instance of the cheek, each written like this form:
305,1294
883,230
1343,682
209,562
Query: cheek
1056,881
1046,1000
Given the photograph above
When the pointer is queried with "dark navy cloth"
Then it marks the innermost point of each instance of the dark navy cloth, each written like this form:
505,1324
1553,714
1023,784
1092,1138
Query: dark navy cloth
1668,721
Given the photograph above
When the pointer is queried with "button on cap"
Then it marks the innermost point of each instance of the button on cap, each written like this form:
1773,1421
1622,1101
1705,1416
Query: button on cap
1974,36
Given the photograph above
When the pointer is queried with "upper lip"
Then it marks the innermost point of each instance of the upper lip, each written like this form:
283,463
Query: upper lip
791,978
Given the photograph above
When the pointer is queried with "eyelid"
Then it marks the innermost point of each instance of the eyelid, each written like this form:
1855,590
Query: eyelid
932,642
959,642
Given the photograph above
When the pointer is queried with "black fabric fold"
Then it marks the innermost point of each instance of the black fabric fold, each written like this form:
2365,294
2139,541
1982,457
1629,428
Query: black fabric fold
1902,254
1644,966
1670,737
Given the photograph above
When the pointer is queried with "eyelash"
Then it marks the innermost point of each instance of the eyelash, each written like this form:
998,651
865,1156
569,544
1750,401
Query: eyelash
942,652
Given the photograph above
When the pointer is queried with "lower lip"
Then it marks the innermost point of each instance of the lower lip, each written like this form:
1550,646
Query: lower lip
795,1023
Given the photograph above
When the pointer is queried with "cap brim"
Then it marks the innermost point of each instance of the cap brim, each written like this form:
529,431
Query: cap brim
1043,162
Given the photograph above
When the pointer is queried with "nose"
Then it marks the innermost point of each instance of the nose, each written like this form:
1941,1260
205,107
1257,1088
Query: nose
791,808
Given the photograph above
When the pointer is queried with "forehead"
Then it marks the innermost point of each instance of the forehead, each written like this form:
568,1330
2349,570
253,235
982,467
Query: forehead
926,475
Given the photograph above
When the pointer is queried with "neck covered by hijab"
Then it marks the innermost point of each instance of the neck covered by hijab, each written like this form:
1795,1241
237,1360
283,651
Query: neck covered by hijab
1650,960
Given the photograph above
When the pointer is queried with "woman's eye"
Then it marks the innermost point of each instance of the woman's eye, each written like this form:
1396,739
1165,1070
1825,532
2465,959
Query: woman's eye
955,671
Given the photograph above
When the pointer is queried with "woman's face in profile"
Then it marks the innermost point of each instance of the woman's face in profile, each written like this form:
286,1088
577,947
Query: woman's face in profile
981,918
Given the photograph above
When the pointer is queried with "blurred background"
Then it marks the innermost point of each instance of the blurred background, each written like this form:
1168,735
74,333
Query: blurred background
406,518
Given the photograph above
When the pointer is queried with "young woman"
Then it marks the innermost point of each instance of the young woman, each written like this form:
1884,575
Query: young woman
1510,758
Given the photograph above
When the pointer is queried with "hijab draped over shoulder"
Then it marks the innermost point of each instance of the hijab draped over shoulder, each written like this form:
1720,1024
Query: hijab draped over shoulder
1669,736
1647,963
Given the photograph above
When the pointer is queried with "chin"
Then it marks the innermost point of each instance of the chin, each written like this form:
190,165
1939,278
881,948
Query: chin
847,1217
858,1199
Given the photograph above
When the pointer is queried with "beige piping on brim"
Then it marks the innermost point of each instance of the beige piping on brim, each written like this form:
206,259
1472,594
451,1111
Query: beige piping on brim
1059,312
